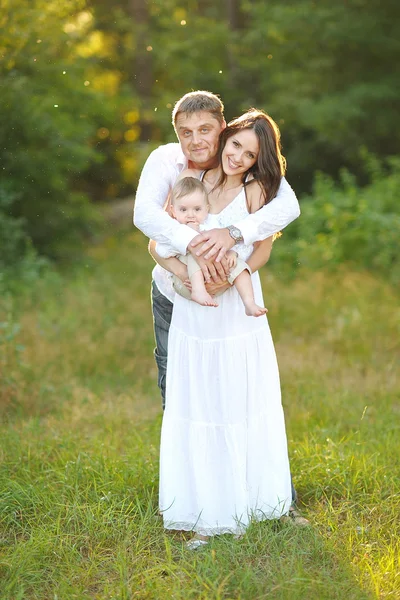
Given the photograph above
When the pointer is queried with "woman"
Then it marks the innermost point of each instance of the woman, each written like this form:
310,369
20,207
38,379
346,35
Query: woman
223,457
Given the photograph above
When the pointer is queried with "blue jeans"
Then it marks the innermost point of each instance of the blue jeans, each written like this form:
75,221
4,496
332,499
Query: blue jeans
162,314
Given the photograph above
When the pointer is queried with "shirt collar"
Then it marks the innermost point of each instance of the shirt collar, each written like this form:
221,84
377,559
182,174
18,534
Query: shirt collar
181,158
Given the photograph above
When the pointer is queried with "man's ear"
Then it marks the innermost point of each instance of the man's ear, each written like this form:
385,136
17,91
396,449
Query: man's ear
223,124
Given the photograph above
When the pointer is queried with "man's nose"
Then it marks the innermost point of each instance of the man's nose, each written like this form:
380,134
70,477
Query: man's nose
196,138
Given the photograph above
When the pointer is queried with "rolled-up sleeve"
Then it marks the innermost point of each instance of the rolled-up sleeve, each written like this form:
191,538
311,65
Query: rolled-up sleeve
165,250
272,217
156,181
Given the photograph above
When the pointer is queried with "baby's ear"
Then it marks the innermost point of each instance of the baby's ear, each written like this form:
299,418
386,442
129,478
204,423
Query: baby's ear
170,210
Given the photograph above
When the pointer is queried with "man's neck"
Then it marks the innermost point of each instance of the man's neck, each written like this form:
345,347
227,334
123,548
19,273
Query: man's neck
211,164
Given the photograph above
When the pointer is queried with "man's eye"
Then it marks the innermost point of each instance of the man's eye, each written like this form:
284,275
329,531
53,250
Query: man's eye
205,130
186,133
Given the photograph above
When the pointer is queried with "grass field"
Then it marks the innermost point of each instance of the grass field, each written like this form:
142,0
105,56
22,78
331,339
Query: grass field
80,432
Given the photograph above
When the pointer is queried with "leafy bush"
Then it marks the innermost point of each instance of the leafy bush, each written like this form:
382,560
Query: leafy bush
48,125
14,240
345,223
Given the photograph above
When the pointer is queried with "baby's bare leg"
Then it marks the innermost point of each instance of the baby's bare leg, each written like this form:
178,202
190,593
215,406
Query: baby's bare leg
199,292
244,286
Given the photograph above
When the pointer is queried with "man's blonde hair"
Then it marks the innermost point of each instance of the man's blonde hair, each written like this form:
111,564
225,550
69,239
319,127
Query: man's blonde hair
186,186
199,101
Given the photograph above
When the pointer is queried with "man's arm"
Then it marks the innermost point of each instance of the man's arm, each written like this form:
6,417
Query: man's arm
272,217
171,264
258,226
149,216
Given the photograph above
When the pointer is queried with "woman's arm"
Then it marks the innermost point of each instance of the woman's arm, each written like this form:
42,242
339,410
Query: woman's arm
172,264
260,255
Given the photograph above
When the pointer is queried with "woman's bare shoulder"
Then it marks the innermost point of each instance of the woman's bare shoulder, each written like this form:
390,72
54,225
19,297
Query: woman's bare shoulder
189,173
254,195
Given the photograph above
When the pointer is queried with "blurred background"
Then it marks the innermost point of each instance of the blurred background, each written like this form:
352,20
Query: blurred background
86,92
87,89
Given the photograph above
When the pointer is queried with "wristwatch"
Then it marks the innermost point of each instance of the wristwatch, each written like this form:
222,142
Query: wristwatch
235,233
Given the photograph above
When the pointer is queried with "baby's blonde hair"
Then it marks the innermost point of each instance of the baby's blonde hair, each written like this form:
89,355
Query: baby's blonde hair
186,186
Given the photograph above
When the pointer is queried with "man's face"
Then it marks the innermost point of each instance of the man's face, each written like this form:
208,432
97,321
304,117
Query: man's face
198,134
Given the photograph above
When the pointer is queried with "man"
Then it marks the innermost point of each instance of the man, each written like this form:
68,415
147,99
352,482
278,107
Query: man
198,121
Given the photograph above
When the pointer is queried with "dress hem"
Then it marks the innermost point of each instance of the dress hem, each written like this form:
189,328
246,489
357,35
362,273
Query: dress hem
211,531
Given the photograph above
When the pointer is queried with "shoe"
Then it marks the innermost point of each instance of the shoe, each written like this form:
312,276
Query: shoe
295,517
195,544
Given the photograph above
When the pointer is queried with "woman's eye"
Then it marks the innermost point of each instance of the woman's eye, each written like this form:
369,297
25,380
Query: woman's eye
235,144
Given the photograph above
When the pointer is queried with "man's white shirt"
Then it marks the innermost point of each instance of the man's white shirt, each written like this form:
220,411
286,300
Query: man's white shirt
158,177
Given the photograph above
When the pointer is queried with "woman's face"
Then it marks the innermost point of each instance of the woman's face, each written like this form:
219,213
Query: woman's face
240,152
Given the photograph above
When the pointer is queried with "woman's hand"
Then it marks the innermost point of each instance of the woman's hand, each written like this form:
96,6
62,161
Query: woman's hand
212,271
180,270
214,288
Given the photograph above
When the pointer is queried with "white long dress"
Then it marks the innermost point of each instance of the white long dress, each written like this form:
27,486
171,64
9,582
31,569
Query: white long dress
223,457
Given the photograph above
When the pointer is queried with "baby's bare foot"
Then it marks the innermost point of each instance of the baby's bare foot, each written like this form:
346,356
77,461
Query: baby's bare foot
204,298
253,310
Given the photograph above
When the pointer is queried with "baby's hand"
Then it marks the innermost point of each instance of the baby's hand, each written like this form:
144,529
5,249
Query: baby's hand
231,257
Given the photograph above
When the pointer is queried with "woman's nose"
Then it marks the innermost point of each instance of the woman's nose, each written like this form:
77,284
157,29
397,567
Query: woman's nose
237,155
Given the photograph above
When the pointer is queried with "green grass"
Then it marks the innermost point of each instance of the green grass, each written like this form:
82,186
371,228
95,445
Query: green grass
80,433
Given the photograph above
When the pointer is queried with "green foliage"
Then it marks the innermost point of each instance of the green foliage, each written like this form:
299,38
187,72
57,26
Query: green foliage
345,223
88,86
14,240
327,72
47,120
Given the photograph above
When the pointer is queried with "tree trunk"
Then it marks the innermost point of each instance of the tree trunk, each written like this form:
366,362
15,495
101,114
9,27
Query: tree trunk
142,69
234,21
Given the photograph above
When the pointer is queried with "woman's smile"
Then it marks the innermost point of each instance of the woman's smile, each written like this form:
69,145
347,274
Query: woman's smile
232,163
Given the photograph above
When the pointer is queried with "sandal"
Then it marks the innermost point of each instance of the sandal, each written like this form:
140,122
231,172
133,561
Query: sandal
196,543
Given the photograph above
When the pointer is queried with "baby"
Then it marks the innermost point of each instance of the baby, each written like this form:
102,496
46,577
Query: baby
189,205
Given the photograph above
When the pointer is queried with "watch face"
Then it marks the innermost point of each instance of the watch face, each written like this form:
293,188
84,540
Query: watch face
236,233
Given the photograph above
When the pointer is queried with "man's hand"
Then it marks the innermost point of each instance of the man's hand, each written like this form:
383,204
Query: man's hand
216,272
212,244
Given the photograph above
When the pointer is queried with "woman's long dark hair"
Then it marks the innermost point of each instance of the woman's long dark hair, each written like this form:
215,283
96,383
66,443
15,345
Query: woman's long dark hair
271,164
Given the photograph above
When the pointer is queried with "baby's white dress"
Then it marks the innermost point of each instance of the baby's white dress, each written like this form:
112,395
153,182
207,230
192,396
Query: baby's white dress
223,456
